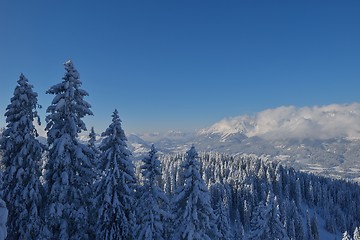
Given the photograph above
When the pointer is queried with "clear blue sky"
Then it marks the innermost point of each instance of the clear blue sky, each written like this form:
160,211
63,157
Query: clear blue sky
183,64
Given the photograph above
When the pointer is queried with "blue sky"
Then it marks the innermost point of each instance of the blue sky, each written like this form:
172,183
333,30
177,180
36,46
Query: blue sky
183,64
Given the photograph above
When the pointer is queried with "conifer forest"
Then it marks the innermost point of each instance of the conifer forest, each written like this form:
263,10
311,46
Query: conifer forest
71,189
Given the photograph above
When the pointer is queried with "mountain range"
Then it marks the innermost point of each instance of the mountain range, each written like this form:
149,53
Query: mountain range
321,139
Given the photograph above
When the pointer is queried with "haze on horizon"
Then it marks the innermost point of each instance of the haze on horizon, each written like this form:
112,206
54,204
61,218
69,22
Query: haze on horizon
184,65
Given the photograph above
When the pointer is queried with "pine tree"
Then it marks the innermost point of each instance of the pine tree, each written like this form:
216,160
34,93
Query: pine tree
92,141
266,223
297,196
69,171
93,156
247,210
222,212
346,236
293,215
278,184
308,226
277,229
194,216
152,203
115,191
259,221
314,228
22,189
238,227
356,234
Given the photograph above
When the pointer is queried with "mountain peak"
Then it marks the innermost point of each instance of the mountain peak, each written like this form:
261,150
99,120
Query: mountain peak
290,122
229,126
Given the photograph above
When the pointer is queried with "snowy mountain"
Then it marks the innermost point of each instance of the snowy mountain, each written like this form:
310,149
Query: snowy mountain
326,122
324,140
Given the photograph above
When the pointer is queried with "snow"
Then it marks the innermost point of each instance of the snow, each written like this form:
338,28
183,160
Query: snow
323,234
60,104
194,213
291,122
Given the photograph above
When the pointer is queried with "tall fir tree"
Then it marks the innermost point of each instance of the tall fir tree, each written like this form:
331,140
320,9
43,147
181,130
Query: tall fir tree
314,227
294,217
22,152
69,171
221,211
115,191
265,223
93,156
152,202
309,234
193,215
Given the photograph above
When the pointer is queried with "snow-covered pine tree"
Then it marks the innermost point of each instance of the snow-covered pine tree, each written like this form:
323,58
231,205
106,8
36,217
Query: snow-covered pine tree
265,223
238,229
22,189
92,141
93,156
69,173
308,226
296,221
115,191
346,236
221,211
278,183
259,221
152,202
314,227
247,210
193,215
297,194
356,234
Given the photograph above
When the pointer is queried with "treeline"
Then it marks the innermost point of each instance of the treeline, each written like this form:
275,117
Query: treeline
68,189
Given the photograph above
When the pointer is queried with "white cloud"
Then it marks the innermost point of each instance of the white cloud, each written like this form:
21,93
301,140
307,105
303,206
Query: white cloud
289,122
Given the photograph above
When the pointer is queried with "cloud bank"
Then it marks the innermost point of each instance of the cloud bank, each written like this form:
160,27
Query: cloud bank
289,122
